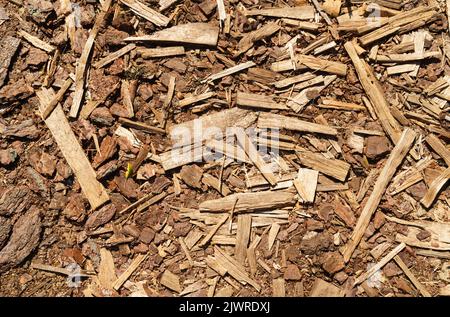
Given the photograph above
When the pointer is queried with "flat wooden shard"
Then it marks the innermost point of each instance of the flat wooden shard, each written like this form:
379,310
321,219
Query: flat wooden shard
439,239
401,58
297,13
171,281
250,149
258,101
380,264
328,103
129,271
114,55
273,232
439,147
213,231
395,159
229,71
332,167
248,39
411,277
161,51
54,102
321,288
106,271
435,188
141,126
300,100
220,121
73,152
295,79
272,120
234,268
147,13
278,287
194,99
315,63
375,93
35,41
244,225
404,21
191,33
306,184
250,202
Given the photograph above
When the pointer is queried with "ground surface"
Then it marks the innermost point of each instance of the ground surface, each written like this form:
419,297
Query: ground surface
46,221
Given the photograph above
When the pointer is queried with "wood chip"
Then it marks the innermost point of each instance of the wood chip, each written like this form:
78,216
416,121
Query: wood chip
276,121
229,71
171,281
306,184
250,202
161,51
298,12
82,66
380,264
147,13
129,271
244,225
35,41
247,145
395,159
273,232
191,33
115,55
73,152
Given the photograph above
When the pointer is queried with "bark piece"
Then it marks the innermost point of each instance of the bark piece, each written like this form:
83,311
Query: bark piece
292,273
5,229
25,129
15,200
192,175
107,150
24,239
7,157
8,48
100,217
332,262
